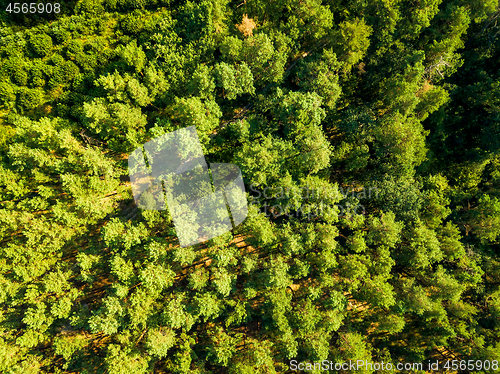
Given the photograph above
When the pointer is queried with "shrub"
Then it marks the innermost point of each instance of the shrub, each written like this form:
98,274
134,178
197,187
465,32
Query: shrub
41,44
132,23
7,94
20,76
29,98
89,6
74,47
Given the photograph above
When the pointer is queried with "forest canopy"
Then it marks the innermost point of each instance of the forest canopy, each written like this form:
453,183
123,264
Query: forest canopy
368,137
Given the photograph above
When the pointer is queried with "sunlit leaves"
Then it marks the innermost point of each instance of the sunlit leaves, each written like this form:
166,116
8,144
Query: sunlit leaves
123,361
234,80
159,341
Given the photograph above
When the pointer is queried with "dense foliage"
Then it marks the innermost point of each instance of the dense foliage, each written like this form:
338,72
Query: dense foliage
388,110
